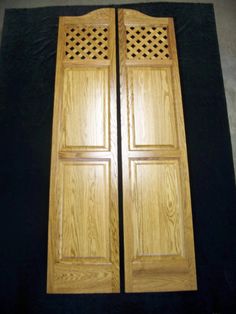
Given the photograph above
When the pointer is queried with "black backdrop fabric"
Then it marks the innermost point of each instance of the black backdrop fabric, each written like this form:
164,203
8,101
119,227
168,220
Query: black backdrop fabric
27,70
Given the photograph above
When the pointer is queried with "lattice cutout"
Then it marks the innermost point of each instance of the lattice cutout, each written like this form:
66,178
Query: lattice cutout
83,43
147,42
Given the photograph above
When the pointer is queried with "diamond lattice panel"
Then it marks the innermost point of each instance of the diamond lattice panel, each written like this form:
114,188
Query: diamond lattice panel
147,42
83,43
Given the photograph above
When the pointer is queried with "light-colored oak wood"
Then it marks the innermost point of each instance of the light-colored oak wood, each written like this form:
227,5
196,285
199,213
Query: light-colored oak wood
150,100
83,242
86,109
158,232
84,42
85,217
157,219
147,42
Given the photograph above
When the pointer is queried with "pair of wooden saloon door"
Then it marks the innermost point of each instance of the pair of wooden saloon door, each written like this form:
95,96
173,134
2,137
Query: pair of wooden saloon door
83,248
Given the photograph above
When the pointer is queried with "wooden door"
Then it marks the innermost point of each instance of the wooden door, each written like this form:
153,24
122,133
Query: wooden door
83,247
158,233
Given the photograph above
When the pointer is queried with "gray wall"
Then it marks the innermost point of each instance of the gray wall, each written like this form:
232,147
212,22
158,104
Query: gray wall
225,12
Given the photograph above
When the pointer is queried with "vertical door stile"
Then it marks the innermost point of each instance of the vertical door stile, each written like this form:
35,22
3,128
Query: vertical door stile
158,231
83,244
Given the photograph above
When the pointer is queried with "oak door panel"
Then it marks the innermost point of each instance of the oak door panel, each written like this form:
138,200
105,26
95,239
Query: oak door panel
85,211
158,232
83,242
86,101
157,210
151,114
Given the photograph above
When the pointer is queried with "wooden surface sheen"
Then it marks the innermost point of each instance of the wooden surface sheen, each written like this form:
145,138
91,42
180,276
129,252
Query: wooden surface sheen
158,234
83,246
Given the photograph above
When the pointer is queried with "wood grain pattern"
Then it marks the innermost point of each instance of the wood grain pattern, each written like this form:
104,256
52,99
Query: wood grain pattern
158,232
83,242
157,218
86,108
85,216
151,113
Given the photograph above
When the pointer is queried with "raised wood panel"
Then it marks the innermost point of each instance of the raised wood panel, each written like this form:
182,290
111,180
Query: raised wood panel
86,107
151,110
158,231
157,211
85,211
83,240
